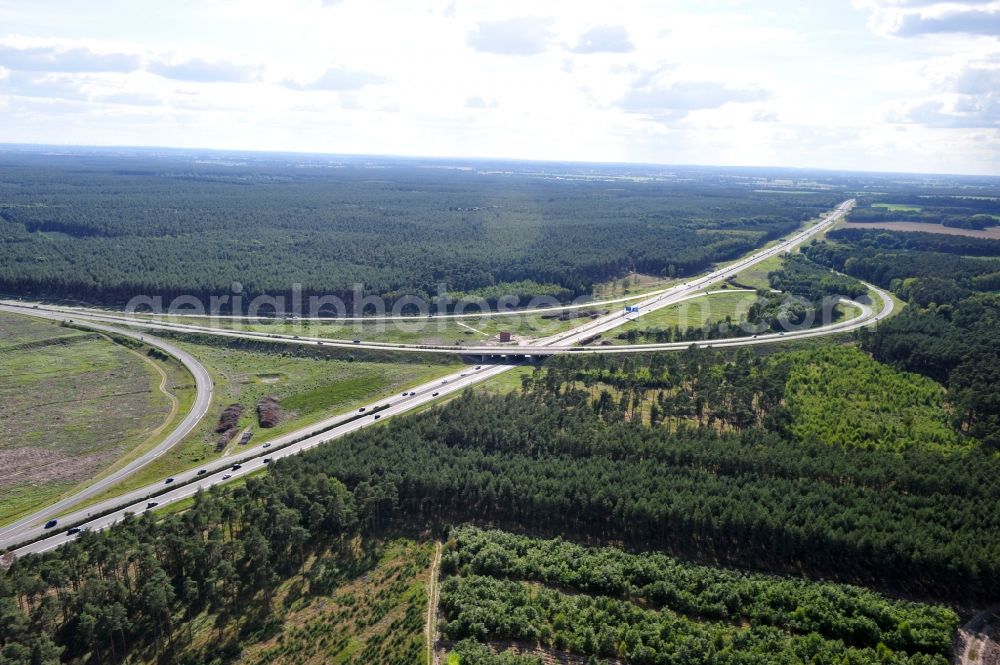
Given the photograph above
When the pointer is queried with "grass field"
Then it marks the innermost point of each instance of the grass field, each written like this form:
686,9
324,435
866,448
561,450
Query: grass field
693,313
471,331
755,277
75,406
309,387
508,382
18,330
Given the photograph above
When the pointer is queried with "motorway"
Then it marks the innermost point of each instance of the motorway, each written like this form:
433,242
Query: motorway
186,484
202,401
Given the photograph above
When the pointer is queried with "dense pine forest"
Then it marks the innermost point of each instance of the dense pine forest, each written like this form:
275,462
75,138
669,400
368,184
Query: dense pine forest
101,228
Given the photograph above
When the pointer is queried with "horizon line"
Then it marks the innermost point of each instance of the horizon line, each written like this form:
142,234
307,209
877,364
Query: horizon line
457,158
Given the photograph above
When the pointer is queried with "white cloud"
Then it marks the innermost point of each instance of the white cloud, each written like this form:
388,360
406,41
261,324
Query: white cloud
130,99
753,83
477,102
970,98
53,59
604,39
337,79
514,36
197,69
975,22
679,98
916,18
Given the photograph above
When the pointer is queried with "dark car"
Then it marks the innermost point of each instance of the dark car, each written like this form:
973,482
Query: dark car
202,472
237,466
377,416
435,394
356,341
51,523
152,504
168,481
72,531
361,410
267,460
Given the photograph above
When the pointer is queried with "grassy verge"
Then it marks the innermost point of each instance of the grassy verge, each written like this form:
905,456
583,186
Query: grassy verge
755,277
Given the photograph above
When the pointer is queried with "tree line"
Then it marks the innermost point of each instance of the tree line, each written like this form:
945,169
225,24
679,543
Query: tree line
854,615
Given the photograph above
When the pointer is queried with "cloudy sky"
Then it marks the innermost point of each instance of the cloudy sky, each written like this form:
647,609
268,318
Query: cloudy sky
909,85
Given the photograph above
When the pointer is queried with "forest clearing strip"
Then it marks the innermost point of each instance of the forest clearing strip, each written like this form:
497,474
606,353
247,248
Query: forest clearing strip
430,624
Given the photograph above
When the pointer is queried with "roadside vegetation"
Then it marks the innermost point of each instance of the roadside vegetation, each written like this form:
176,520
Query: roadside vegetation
309,384
241,575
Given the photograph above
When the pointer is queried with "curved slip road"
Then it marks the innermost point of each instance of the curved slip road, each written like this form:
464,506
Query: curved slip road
188,483
202,401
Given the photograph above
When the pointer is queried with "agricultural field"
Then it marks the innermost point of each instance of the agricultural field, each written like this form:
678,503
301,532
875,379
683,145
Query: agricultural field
309,384
905,207
76,404
556,598
992,233
929,208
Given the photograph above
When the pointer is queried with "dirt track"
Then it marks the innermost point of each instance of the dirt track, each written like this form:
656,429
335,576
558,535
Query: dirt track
978,641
